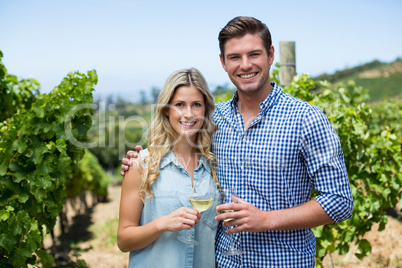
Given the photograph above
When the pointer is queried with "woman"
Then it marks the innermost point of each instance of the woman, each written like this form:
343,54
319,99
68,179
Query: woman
155,207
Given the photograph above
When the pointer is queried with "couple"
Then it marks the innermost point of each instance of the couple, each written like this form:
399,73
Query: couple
271,147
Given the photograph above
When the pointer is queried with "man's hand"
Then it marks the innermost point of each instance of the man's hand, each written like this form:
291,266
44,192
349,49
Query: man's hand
251,219
246,216
126,161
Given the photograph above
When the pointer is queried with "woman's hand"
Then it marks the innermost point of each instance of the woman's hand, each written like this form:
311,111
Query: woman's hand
181,219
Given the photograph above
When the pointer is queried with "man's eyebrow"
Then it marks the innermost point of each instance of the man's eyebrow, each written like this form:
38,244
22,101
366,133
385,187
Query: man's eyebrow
232,54
250,52
256,50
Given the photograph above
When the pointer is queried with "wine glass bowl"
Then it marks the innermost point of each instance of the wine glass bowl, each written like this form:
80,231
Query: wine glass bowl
228,195
199,203
222,199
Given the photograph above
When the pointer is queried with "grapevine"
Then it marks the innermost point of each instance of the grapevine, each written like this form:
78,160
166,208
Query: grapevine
36,157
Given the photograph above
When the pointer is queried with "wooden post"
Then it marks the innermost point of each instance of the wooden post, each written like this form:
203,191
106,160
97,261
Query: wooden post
287,64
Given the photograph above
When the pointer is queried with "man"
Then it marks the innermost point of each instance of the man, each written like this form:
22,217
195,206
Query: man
273,149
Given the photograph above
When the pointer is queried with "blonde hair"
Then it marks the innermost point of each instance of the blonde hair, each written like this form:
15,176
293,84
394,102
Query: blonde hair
162,137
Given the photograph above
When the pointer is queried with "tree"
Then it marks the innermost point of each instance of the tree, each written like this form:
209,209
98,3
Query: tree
155,94
143,98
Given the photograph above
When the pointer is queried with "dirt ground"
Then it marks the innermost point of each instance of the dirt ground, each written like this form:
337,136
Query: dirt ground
85,235
386,249
387,245
109,256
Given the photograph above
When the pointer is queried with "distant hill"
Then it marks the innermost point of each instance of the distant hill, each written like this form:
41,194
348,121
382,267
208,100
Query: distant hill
379,78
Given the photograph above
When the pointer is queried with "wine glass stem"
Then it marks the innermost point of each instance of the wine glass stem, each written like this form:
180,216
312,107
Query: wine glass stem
231,242
190,233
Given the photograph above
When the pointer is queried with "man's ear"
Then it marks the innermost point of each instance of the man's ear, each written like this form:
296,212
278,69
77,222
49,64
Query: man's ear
271,55
223,62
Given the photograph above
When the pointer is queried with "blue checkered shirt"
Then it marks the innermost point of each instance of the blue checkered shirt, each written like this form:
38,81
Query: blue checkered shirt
288,149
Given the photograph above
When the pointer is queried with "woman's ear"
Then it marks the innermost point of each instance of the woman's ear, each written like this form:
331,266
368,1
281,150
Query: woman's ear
166,112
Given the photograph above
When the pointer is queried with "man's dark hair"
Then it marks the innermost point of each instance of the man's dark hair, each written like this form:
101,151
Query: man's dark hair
239,27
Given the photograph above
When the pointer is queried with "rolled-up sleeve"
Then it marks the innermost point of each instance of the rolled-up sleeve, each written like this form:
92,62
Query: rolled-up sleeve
325,163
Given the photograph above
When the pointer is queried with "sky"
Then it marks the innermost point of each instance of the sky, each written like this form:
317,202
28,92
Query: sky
136,45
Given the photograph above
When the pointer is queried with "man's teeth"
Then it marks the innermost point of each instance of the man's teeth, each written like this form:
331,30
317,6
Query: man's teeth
188,124
247,75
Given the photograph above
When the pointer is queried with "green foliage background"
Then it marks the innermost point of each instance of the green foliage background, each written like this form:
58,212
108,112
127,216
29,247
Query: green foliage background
381,80
40,154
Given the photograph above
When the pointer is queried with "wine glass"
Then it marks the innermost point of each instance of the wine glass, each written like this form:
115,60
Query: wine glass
225,196
200,203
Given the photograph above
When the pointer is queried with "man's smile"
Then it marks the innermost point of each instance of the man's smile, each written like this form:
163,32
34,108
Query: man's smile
247,76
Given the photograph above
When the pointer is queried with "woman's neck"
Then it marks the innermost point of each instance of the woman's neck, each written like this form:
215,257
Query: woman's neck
187,155
185,146
185,150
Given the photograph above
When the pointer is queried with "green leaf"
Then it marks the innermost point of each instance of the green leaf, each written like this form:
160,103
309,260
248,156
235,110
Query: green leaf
343,249
349,235
318,231
15,228
23,198
23,219
364,249
46,259
21,145
325,243
383,222
81,263
3,168
40,112
385,192
4,215
320,253
21,254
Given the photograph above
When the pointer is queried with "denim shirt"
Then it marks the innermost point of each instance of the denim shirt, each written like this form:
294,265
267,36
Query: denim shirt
172,190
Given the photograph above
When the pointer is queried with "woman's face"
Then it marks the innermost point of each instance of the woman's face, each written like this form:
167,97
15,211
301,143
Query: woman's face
186,111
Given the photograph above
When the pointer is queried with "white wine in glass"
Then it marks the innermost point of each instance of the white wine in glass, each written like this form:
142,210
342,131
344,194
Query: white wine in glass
199,203
224,211
226,197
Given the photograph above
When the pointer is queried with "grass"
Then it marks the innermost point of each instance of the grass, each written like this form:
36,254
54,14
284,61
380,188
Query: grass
380,87
105,233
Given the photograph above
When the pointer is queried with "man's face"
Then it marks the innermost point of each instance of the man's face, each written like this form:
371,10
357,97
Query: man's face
247,63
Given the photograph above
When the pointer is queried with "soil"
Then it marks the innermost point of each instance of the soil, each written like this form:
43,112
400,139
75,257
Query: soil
82,239
386,249
110,256
386,252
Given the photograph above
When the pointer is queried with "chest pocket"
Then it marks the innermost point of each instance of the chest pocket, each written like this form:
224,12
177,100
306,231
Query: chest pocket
163,203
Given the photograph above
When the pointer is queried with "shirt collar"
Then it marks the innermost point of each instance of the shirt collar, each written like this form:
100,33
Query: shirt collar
265,104
203,162
167,159
171,158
